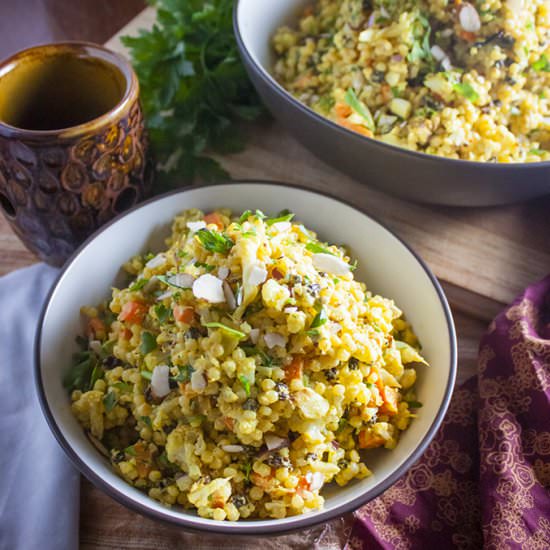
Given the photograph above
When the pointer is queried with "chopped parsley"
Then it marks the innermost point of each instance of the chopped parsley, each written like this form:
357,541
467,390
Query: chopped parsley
162,313
138,285
466,90
207,267
542,64
317,248
146,374
148,343
245,215
320,319
360,108
414,404
246,384
213,241
110,400
225,328
282,216
130,450
146,420
184,374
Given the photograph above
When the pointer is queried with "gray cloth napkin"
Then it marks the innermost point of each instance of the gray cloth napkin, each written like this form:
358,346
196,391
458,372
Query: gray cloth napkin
39,489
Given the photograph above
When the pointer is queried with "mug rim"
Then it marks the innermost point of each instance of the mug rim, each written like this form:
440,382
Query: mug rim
92,50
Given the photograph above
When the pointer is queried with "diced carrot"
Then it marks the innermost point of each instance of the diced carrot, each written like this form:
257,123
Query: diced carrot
133,312
126,333
390,397
468,36
294,371
214,218
355,127
386,92
184,314
342,110
229,423
369,440
96,327
303,485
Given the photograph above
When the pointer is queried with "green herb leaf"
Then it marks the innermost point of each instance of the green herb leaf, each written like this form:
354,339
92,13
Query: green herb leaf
162,313
146,420
122,386
146,374
313,332
542,64
247,469
246,384
225,328
317,248
360,108
184,374
245,215
148,343
320,319
130,450
414,404
466,90
214,241
538,152
138,285
110,400
283,216
194,88
207,267
83,374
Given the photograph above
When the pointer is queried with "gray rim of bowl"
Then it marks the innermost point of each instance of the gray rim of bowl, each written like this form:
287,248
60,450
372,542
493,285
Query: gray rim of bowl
301,521
268,79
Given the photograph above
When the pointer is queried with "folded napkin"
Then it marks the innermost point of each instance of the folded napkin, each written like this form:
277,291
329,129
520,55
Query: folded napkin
39,489
484,482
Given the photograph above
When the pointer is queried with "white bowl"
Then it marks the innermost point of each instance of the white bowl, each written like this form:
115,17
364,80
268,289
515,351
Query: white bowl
386,264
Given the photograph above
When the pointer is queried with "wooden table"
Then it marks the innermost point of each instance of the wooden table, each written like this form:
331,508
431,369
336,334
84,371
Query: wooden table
483,256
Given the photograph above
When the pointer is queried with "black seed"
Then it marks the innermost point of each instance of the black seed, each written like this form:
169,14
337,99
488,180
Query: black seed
367,5
310,457
343,464
172,383
149,395
497,103
510,80
163,483
296,279
331,374
239,500
119,457
378,76
110,362
372,420
168,428
250,405
314,289
275,460
282,389
433,103
193,333
353,363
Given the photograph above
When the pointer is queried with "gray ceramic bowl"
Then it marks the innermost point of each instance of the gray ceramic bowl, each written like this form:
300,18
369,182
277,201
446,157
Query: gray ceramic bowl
412,175
385,263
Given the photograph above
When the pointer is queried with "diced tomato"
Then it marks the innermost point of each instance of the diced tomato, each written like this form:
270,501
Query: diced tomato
342,110
214,218
303,485
184,314
276,274
126,333
369,440
133,312
96,327
294,371
390,397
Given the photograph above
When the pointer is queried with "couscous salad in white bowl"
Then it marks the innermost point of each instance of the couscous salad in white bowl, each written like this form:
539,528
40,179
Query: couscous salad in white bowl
242,373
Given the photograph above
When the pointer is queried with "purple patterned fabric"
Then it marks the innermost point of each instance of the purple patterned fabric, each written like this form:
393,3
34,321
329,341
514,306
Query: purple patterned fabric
484,481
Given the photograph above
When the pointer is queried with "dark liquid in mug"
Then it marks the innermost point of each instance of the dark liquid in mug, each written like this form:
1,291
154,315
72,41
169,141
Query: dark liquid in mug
59,91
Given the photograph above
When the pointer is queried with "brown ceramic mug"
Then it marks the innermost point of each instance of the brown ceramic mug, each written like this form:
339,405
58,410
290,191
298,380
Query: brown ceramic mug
73,150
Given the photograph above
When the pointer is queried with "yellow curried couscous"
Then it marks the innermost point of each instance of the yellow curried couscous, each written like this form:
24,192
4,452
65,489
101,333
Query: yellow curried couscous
445,77
243,368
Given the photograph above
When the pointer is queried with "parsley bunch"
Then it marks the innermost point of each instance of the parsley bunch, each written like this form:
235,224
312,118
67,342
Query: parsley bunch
194,88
